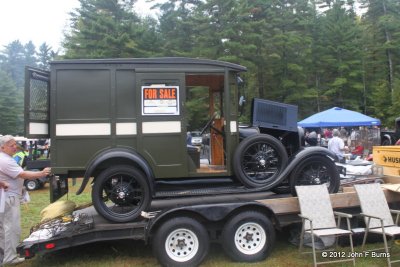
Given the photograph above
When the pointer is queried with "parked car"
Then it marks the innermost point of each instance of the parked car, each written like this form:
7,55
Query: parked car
36,165
197,139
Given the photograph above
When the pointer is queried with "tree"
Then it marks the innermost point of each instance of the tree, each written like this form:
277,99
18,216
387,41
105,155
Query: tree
44,56
337,58
381,24
103,29
30,54
10,106
13,62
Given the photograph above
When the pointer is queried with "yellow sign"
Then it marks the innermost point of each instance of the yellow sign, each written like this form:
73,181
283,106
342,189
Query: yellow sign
387,155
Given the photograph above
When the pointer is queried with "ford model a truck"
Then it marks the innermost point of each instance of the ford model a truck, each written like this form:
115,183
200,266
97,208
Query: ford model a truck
122,125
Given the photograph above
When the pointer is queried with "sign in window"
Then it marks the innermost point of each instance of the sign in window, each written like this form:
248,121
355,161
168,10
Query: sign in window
160,100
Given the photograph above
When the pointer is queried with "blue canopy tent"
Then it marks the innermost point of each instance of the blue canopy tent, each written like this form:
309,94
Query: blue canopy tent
336,117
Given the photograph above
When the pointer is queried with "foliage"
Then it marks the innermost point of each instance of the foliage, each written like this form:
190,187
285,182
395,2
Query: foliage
13,59
312,53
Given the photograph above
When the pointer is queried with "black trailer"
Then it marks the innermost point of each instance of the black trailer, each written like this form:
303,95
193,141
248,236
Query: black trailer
180,230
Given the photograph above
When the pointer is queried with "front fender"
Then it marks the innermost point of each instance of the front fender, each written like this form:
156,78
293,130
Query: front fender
297,158
125,153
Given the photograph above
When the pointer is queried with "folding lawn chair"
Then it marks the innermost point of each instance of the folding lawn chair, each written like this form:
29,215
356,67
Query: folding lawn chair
378,216
318,219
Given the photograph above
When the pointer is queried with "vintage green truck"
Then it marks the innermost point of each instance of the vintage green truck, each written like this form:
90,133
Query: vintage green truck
122,125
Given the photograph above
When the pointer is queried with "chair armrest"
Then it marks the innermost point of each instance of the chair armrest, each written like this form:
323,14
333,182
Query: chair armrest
342,214
395,211
371,216
304,217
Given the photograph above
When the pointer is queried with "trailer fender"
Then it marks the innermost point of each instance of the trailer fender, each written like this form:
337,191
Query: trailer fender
212,212
129,155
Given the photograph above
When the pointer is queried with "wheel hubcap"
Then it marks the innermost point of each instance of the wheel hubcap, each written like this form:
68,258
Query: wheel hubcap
250,238
182,245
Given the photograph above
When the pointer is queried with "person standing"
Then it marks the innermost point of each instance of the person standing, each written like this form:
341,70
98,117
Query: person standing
12,174
336,145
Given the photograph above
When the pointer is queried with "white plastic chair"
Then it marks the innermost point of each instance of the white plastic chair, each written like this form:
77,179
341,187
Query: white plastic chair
318,219
377,215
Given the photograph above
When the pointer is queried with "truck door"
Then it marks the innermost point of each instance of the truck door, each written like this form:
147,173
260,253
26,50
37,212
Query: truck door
161,127
37,98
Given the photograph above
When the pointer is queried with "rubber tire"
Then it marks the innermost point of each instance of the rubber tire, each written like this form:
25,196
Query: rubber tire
168,227
31,185
331,169
386,142
235,223
97,192
238,159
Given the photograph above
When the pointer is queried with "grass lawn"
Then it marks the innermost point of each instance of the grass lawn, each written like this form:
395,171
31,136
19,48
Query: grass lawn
137,253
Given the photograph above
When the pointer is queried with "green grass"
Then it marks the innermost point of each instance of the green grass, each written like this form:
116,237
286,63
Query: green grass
137,253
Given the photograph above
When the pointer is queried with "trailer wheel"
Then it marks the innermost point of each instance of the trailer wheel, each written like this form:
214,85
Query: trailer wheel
181,241
121,193
316,170
31,185
258,161
248,237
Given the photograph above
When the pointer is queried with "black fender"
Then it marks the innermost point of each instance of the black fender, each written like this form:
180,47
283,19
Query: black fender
126,153
211,212
389,137
302,154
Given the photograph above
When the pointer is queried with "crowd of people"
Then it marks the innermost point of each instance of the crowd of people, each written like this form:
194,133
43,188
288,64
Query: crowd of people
349,143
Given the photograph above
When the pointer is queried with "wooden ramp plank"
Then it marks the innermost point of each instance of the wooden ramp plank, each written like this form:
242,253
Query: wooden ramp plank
290,205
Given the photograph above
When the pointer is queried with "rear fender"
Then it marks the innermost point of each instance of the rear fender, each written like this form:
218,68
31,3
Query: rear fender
125,153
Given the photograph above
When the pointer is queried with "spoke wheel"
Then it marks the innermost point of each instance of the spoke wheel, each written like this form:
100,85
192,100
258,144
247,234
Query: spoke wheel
121,193
259,160
316,170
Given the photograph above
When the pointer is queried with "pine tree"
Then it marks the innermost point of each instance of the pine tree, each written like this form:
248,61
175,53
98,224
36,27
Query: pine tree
44,56
13,62
103,29
10,103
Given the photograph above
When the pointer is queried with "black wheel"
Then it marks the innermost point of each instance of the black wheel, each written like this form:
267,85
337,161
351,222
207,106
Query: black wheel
258,161
121,193
181,241
386,142
316,170
248,237
31,185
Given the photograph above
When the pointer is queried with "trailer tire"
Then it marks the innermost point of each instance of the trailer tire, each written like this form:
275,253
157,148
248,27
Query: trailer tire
181,241
121,193
258,161
238,231
31,185
315,170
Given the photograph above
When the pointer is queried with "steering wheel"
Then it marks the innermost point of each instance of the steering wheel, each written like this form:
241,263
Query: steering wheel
208,124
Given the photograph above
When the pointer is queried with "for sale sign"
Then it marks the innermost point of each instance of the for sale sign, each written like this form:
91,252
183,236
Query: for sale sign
160,100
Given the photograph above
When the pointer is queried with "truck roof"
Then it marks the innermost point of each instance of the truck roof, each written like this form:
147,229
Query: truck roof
159,61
